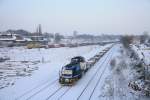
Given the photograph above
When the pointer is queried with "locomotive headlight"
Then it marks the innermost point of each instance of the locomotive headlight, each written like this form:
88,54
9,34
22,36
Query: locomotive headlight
67,80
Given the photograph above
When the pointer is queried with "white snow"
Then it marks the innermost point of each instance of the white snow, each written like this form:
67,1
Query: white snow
49,63
99,83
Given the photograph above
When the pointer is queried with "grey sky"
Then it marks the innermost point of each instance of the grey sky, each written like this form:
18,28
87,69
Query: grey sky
85,16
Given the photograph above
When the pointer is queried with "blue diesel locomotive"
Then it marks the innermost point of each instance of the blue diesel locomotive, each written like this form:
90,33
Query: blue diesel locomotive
72,71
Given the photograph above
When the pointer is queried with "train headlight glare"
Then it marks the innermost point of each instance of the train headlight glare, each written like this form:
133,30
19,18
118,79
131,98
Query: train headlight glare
67,80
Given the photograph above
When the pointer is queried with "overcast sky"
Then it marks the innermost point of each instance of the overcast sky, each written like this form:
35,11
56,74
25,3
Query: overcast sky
85,16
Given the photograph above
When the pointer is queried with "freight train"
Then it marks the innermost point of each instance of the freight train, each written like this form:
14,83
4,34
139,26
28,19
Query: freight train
73,71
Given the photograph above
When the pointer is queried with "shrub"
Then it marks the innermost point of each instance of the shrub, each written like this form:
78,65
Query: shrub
113,63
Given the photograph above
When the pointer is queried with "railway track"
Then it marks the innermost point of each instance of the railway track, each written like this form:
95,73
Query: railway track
63,90
99,80
59,89
64,93
35,88
54,93
67,89
91,80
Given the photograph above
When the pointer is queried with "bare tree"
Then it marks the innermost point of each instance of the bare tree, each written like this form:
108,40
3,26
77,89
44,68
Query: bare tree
58,37
144,37
126,40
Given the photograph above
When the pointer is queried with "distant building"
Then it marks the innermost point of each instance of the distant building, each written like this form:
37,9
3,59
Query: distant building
6,40
39,39
7,37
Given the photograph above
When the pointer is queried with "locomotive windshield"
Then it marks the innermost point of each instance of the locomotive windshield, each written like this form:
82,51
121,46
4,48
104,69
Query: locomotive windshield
77,59
67,72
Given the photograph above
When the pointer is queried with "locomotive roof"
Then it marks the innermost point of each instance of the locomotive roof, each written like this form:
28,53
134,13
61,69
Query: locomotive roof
71,65
78,57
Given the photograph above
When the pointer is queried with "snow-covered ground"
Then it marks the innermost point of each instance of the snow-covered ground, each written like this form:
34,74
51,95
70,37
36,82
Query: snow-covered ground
46,62
101,82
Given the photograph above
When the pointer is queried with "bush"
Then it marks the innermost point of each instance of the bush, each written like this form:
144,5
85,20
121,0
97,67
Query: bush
126,41
113,63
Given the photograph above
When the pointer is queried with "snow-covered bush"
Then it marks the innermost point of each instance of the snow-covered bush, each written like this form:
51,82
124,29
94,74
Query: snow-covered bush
140,71
112,63
126,41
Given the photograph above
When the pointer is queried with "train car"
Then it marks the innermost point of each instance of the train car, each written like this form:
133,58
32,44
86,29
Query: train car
97,57
105,50
90,63
101,53
72,71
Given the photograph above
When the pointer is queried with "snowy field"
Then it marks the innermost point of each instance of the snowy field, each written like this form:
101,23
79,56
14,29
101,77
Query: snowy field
18,74
38,80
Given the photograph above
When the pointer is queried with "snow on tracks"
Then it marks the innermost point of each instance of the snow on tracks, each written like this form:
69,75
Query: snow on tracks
53,90
31,93
85,86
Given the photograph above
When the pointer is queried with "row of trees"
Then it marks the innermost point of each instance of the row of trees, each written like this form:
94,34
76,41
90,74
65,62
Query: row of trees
137,63
128,39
